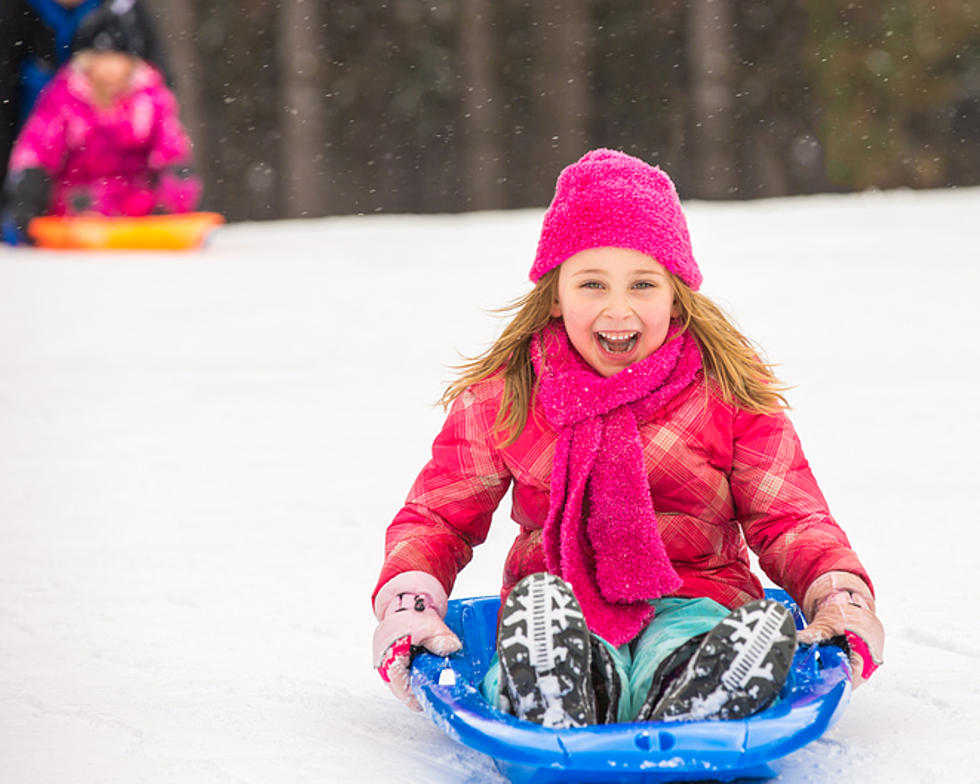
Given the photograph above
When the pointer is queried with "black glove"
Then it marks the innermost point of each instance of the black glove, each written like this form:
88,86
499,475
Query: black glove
27,195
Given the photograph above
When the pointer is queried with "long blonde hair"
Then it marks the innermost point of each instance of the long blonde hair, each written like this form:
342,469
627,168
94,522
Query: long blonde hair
743,379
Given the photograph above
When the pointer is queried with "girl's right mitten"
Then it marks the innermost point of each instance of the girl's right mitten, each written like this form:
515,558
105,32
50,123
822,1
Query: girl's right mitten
410,608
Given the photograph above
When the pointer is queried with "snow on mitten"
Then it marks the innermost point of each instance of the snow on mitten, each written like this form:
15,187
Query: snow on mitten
840,604
410,608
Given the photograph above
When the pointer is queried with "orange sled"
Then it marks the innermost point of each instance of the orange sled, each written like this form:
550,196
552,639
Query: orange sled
151,232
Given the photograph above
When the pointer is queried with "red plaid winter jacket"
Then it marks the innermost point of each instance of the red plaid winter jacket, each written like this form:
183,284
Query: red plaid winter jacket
720,478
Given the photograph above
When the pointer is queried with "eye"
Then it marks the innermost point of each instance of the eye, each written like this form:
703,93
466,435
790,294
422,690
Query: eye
644,284
591,284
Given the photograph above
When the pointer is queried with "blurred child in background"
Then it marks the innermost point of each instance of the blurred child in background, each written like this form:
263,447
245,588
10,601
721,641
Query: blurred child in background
104,136
36,41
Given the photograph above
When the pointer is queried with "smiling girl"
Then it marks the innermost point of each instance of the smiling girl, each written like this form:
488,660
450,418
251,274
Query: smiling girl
648,450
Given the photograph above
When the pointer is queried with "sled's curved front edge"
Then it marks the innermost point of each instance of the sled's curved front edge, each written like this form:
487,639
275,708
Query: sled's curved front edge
448,689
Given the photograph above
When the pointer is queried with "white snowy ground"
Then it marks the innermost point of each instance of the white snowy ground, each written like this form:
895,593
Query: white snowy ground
199,454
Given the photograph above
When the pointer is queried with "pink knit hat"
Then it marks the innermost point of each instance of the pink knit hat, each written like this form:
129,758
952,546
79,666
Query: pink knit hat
610,199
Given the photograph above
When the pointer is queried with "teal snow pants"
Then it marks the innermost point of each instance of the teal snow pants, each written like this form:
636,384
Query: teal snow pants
676,621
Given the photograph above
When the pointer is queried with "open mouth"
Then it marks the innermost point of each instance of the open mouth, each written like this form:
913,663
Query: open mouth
617,342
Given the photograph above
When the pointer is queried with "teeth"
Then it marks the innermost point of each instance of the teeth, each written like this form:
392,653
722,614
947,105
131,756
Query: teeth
619,342
617,335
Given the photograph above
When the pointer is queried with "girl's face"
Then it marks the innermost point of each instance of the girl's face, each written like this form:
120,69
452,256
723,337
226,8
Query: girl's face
110,71
616,305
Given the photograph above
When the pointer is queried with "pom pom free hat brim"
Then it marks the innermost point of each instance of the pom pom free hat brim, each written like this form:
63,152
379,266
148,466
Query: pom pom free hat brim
611,199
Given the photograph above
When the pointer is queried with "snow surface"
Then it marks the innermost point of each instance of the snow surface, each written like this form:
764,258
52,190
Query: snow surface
199,454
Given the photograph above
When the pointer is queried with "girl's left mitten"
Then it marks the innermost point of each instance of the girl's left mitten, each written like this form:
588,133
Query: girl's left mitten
410,608
840,606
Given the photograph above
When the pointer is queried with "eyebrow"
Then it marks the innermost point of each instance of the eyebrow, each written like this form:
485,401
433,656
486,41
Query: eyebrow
638,271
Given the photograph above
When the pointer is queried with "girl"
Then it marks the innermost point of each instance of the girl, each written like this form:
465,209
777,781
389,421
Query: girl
648,448
104,136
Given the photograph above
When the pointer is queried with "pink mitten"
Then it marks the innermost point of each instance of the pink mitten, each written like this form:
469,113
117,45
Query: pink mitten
840,604
178,190
410,608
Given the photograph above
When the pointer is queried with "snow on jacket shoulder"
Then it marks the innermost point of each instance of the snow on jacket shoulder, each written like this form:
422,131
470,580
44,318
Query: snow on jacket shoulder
115,160
722,480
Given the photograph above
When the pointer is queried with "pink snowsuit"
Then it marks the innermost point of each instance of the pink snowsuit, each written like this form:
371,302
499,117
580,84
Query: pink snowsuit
113,161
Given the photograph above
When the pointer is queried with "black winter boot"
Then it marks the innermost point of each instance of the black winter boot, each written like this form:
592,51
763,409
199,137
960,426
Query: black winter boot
668,671
737,670
545,655
605,683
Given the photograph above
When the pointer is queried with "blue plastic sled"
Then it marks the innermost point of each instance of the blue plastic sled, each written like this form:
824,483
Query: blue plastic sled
812,700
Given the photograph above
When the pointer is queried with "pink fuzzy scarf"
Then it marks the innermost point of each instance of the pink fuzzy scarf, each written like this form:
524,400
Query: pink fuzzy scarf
601,532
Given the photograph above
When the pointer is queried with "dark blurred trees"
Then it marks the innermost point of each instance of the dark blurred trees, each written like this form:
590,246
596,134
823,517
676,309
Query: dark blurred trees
899,90
301,48
711,53
311,107
483,153
228,77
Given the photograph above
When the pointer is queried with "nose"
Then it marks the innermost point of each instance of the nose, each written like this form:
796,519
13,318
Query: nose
618,305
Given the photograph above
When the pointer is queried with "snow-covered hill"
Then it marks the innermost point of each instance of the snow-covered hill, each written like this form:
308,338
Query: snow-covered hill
199,454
